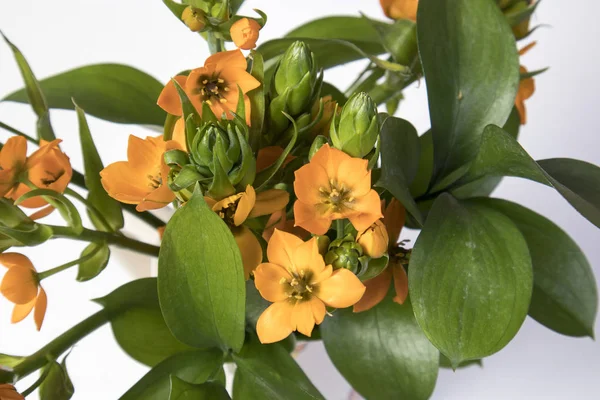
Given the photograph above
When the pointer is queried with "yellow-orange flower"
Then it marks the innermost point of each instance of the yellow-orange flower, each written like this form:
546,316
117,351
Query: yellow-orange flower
378,287
526,87
216,83
333,186
329,108
300,285
8,392
20,286
142,179
235,209
400,9
47,168
374,240
244,33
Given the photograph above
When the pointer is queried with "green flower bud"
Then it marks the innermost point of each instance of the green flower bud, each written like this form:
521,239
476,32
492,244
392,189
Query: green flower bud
316,145
344,253
356,130
194,19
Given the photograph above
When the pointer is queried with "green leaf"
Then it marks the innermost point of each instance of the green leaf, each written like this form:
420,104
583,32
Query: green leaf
422,179
112,92
181,390
57,385
268,372
399,39
471,69
140,329
90,268
257,100
382,352
9,361
109,208
17,229
176,8
33,93
399,162
501,155
352,29
470,279
445,363
194,367
57,200
565,297
201,278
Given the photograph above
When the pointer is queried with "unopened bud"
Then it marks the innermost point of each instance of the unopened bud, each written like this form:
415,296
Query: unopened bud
194,19
356,130
374,240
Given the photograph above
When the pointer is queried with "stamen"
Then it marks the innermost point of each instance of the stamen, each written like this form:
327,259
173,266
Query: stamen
204,82
294,282
299,297
223,100
226,89
282,281
309,288
220,80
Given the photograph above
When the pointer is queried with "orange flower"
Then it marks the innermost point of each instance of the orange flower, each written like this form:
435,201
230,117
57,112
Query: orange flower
329,108
300,285
215,84
234,210
142,179
179,134
20,286
378,287
334,186
267,156
47,168
244,33
526,87
8,392
374,240
400,9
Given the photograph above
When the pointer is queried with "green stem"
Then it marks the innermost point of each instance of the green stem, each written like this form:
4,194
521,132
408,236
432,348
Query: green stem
17,132
90,207
36,384
88,235
339,227
55,270
61,344
215,44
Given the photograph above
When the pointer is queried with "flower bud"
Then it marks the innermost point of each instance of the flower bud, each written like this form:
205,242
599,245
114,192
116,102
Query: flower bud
400,9
316,145
374,240
244,33
329,108
193,18
344,253
356,130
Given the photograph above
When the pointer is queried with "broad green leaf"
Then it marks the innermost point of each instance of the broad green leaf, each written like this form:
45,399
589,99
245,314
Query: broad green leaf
140,328
92,267
201,278
194,366
57,385
577,181
182,390
399,39
471,68
33,94
257,100
17,229
470,279
382,352
352,29
113,92
422,179
445,363
268,372
255,304
109,208
399,162
565,297
65,207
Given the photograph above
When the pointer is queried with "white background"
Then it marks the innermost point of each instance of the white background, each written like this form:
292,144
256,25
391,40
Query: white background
563,120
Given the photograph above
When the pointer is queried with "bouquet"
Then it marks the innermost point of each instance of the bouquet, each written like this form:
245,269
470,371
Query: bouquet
290,198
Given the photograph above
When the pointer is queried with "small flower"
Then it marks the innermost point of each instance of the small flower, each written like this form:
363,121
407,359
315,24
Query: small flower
244,33
374,240
193,18
526,87
21,286
8,392
234,210
400,9
142,179
334,186
216,84
300,285
378,287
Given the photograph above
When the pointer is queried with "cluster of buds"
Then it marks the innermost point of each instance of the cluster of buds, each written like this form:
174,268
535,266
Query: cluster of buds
203,14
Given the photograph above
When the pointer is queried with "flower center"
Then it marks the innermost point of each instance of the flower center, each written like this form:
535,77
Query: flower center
227,213
52,177
299,287
155,181
211,89
336,197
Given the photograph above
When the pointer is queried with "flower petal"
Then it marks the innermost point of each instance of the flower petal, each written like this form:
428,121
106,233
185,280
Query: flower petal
308,217
394,218
40,308
377,289
239,77
169,99
341,290
244,206
158,198
308,259
318,309
250,249
19,284
275,323
179,134
21,311
14,153
330,159
269,201
224,59
10,260
124,183
146,154
366,211
303,319
281,247
268,278
353,174
308,180
400,283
